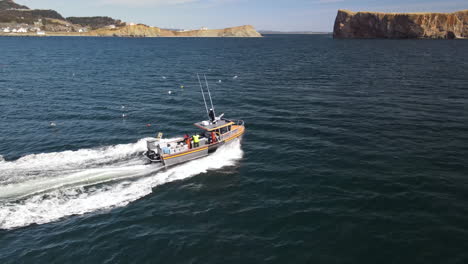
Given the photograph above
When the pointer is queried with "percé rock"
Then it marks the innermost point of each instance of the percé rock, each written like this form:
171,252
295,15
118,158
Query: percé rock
350,24
147,31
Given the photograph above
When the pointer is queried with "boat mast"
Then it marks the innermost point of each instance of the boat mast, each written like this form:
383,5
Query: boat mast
203,94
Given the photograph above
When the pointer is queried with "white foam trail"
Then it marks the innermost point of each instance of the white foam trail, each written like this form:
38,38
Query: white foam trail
74,159
81,178
59,203
59,163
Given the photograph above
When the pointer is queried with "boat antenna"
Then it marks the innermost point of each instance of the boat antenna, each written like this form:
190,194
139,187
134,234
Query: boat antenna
203,94
209,94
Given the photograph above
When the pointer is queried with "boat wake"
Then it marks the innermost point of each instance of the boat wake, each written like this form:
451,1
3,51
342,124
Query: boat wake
42,188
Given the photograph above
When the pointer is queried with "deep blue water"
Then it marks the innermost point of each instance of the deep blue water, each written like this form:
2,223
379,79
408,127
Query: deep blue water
356,151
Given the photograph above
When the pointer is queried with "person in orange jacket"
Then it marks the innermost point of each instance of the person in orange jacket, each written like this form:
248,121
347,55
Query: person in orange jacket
213,137
187,141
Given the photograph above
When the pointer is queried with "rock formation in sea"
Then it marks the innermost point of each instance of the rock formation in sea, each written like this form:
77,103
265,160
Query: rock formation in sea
350,24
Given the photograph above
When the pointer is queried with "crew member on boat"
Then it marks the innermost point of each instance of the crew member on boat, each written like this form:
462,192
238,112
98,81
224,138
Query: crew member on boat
212,115
187,140
196,141
213,137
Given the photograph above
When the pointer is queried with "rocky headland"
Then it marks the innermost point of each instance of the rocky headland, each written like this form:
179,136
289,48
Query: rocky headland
350,24
19,20
147,31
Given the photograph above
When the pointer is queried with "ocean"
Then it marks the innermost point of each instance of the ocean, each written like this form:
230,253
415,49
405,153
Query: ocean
355,151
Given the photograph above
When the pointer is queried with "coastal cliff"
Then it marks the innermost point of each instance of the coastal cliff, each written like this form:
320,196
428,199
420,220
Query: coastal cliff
350,24
19,20
147,31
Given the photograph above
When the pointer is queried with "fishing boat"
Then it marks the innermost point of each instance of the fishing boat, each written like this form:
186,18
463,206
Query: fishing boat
214,132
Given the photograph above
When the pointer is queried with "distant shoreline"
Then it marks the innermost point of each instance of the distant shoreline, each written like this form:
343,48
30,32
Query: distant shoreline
20,21
143,31
266,32
91,36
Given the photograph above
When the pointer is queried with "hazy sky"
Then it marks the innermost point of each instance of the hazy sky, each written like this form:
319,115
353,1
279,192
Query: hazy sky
290,15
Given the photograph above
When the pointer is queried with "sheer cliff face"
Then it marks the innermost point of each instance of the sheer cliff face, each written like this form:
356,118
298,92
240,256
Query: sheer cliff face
405,25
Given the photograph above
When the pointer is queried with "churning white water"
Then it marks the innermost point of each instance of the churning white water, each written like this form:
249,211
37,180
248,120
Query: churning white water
45,187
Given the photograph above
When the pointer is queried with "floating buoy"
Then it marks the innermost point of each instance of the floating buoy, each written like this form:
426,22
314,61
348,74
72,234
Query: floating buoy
170,92
235,77
124,115
220,81
52,124
148,125
123,107
182,87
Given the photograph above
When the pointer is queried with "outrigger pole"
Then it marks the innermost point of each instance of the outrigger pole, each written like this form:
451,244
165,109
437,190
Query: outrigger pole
203,94
209,94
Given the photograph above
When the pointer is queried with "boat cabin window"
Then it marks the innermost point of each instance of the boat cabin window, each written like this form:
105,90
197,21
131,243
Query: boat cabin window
224,130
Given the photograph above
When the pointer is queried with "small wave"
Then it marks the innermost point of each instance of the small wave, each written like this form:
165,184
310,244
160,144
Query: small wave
62,201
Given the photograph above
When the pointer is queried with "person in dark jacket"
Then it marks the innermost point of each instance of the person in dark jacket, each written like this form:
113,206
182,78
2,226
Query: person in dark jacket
212,115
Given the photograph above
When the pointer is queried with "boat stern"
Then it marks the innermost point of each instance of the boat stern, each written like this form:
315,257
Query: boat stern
153,152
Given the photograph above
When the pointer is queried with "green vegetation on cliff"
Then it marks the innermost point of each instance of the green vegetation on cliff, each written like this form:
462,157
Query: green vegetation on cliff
27,16
9,4
95,22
